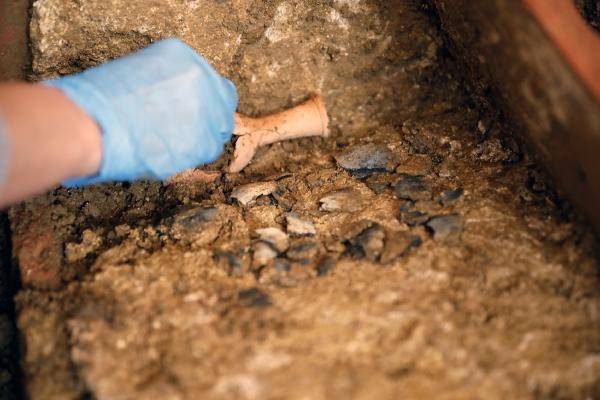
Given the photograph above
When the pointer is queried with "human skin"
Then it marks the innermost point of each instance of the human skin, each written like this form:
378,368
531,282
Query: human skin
50,140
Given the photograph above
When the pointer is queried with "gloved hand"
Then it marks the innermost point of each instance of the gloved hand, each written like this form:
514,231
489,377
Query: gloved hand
161,110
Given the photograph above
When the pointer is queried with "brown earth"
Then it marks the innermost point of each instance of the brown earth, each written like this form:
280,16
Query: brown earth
409,288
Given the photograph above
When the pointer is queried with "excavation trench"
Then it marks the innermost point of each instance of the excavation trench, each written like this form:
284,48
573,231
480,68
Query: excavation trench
417,251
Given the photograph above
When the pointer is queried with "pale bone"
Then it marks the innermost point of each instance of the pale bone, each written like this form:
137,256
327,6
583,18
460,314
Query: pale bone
305,120
308,119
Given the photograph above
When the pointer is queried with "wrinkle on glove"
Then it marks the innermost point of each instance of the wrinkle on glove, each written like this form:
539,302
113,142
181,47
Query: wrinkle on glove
161,110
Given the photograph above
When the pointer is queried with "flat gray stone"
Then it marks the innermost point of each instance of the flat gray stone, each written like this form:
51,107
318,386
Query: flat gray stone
412,187
445,226
305,250
366,159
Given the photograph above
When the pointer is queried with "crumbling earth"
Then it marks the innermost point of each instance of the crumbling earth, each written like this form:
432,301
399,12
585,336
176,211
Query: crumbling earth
417,253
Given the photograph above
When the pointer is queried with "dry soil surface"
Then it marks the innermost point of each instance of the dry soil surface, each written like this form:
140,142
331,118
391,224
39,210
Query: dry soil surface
417,253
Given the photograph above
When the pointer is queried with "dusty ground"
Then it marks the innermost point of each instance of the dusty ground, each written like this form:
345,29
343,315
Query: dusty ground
420,253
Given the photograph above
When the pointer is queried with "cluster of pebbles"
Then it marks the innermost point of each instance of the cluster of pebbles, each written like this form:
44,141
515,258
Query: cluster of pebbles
292,250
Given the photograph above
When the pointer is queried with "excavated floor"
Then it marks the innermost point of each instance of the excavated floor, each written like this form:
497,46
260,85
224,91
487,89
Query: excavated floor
420,253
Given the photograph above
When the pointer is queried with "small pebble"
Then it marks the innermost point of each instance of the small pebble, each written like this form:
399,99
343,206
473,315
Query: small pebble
366,159
284,200
254,297
345,200
414,218
262,254
275,237
299,227
449,197
247,194
305,250
281,264
412,187
445,226
326,264
378,183
371,241
398,245
195,218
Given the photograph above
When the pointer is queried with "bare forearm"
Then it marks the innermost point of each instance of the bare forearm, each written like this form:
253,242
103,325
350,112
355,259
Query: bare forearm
50,140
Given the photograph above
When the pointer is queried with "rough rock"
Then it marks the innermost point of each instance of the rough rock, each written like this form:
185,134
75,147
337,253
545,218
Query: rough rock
262,254
371,242
366,158
247,194
412,187
399,244
449,197
197,226
298,226
303,250
414,218
445,226
275,237
343,200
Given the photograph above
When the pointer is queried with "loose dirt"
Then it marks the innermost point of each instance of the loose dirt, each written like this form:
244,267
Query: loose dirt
419,252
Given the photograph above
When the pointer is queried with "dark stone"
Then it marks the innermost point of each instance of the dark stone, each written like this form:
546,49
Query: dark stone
445,226
377,187
449,197
254,297
326,264
398,245
283,200
412,187
408,206
281,264
193,219
305,250
378,183
414,218
366,159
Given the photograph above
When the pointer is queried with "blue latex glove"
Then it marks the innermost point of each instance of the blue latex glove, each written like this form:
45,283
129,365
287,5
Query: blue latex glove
161,110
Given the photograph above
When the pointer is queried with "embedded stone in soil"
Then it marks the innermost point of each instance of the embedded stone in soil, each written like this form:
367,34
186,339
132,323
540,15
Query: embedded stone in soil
449,197
445,226
412,187
275,237
343,200
366,159
247,194
371,241
298,226
399,245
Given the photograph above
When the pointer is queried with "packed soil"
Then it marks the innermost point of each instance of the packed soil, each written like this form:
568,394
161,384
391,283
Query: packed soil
418,252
